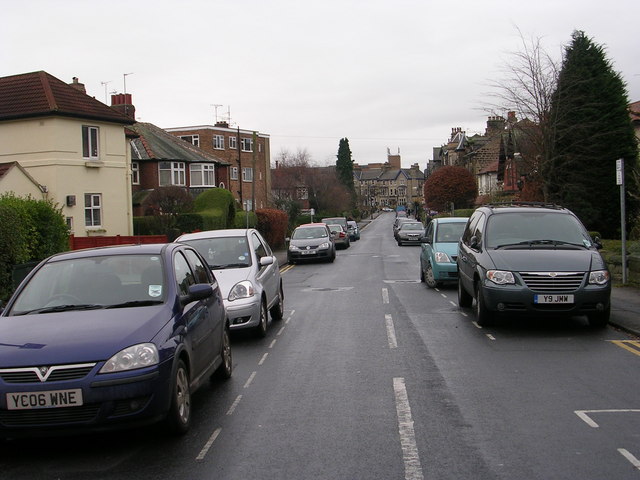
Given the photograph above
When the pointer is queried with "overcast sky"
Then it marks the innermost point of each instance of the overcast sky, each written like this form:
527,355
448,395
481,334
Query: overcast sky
397,74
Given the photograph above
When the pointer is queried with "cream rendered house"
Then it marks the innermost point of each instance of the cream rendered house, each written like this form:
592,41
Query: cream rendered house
73,146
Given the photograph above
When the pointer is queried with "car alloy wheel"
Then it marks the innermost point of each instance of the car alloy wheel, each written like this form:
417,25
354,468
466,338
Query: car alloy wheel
277,311
226,368
261,329
429,277
483,316
179,417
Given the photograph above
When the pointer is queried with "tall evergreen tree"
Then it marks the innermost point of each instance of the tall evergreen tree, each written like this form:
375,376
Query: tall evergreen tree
592,130
344,164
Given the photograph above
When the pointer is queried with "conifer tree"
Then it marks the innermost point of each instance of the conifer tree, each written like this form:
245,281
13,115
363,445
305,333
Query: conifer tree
592,129
344,164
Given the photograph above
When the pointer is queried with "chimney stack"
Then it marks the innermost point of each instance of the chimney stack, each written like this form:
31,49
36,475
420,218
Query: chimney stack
78,86
122,103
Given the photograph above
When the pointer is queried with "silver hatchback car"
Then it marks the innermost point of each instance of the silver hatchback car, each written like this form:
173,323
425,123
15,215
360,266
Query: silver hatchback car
248,274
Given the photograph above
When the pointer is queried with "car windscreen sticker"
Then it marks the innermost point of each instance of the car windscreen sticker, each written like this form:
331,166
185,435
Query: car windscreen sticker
155,290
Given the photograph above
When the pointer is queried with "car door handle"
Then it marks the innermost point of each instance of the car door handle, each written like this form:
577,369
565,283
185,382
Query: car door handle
463,258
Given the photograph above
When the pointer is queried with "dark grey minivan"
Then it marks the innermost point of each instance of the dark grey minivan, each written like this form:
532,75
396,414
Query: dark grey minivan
531,258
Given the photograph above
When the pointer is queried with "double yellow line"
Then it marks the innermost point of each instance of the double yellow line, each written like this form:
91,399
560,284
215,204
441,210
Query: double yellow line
632,345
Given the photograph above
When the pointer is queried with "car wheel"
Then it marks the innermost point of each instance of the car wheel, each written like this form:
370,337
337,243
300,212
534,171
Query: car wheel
483,316
333,256
179,416
261,329
225,370
599,319
464,299
429,278
422,279
277,311
399,243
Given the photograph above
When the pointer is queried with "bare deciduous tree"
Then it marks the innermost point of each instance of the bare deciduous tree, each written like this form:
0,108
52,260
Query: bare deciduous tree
526,86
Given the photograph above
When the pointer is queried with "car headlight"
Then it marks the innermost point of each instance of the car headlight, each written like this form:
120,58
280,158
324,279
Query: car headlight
323,246
441,257
500,277
599,277
136,356
293,248
242,289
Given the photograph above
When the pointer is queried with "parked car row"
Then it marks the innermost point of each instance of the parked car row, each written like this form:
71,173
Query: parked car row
319,241
518,259
116,336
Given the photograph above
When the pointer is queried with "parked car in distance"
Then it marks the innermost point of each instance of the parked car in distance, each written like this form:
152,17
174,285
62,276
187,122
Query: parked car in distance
337,220
311,241
396,225
409,233
439,250
340,236
248,273
111,337
531,258
354,230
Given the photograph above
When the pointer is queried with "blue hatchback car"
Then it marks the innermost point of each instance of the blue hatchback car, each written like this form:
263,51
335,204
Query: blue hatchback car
440,250
110,337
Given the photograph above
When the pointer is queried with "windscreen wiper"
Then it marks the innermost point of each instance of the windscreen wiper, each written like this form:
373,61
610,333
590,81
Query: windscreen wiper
135,303
62,308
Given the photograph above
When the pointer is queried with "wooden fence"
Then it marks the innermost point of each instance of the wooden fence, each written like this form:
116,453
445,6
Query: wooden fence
76,243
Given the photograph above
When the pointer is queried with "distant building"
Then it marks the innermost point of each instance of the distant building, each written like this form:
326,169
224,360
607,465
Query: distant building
388,184
247,156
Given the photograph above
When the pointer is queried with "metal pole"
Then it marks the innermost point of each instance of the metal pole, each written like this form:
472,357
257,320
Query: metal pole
623,226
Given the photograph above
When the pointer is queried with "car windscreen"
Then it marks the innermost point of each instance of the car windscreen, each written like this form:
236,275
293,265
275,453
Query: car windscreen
223,252
450,232
93,282
411,226
309,233
526,228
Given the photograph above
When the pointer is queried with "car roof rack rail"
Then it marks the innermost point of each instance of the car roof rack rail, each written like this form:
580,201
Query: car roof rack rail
517,203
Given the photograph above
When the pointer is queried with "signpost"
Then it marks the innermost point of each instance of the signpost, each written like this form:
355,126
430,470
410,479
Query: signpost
623,229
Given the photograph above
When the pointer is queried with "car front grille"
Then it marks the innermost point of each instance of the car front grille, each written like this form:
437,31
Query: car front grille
553,281
48,416
56,373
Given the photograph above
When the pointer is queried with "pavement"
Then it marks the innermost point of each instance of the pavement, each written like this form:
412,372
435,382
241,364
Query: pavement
625,302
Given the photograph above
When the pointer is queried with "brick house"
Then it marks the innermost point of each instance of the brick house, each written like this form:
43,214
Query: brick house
247,155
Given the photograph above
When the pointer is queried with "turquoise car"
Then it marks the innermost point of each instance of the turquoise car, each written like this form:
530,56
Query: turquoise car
439,250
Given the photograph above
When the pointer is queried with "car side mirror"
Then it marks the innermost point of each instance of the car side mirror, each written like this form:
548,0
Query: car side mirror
264,261
597,243
474,243
199,291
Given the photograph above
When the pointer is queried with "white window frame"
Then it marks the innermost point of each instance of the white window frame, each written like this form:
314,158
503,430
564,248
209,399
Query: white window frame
90,142
93,210
233,142
192,139
247,174
246,144
202,175
218,142
234,173
176,171
135,173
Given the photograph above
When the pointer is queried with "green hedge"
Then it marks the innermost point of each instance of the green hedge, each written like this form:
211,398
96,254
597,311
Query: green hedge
30,231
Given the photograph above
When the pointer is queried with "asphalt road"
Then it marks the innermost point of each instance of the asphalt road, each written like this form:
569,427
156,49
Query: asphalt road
371,375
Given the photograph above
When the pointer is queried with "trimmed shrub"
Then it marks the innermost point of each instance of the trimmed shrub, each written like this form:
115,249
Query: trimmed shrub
241,220
30,231
273,224
217,200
